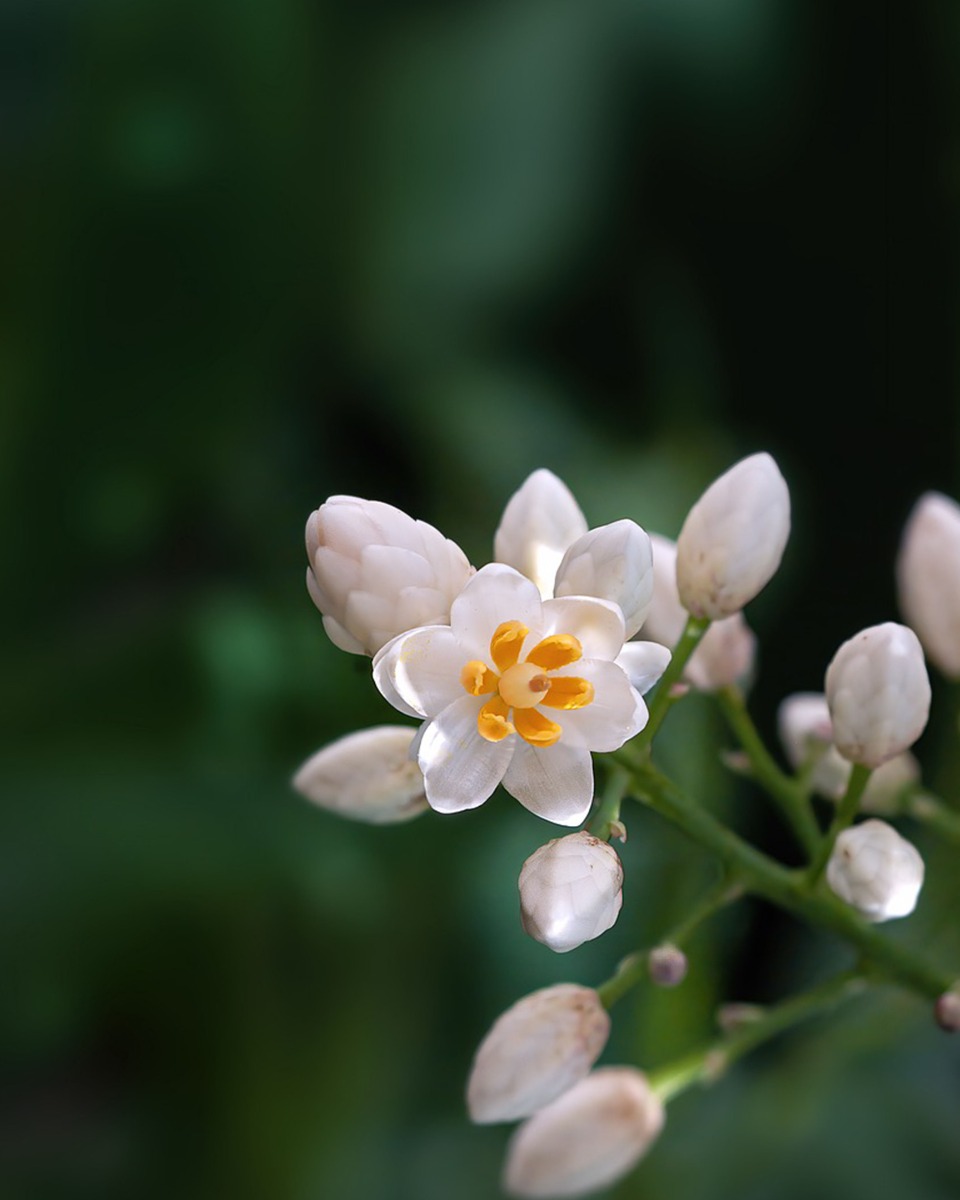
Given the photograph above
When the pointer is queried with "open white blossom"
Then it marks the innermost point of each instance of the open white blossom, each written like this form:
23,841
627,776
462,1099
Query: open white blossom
367,775
535,1051
876,871
515,690
928,579
375,572
570,891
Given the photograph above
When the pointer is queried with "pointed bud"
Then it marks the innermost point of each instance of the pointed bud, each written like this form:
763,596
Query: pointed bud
536,1051
367,776
593,1135
733,539
375,572
667,966
876,871
570,891
540,523
878,693
613,562
928,579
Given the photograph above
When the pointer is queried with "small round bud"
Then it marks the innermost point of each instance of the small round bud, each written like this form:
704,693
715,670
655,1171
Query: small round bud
368,776
733,539
613,562
947,1010
667,966
593,1135
570,891
928,579
535,1051
878,694
876,871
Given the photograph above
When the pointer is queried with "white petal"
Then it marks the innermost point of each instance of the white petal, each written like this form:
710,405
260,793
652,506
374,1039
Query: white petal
540,522
496,593
555,782
644,663
460,768
596,624
613,562
423,668
616,713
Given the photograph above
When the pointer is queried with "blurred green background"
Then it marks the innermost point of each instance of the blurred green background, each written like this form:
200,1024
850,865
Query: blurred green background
261,252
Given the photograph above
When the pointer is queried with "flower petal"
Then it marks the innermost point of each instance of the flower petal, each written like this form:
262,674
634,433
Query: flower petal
616,713
555,783
460,768
596,624
613,562
495,595
421,669
644,663
540,522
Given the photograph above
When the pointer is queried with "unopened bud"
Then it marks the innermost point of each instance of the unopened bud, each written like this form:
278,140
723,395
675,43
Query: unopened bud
535,1051
667,966
928,579
591,1136
733,539
876,871
878,693
613,562
570,891
375,572
540,523
367,776
947,1010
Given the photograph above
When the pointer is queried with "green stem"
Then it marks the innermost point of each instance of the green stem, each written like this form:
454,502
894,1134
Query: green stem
789,794
664,698
608,812
930,809
709,1063
843,818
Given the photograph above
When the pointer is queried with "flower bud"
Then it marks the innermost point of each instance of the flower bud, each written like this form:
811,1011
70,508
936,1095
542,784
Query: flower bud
928,579
667,966
588,1138
947,1010
613,562
375,572
876,871
368,776
733,538
570,891
535,1051
878,693
539,524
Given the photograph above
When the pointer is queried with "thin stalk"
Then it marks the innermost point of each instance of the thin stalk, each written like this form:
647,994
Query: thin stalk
608,811
665,697
930,809
843,819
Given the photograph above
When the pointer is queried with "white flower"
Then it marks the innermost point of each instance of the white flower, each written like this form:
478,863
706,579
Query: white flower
733,538
588,1138
726,651
535,1051
375,572
928,579
368,776
570,891
876,871
879,694
515,690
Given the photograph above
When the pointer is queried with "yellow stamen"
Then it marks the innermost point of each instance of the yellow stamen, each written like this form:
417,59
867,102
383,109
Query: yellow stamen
535,728
554,652
492,722
478,679
568,691
506,643
524,685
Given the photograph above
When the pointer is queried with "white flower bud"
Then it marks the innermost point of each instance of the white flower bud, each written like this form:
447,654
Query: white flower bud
879,694
733,538
928,579
593,1135
541,521
535,1051
613,562
368,776
876,871
570,891
947,1011
375,572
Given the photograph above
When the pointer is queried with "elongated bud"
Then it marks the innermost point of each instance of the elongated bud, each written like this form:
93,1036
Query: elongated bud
878,693
540,523
613,562
876,871
733,538
570,891
591,1136
367,776
535,1051
375,572
928,579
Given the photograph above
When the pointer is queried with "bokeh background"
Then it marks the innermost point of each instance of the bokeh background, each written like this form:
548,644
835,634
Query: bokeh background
261,252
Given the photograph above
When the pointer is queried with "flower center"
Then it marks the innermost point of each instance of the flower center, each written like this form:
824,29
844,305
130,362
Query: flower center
516,688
